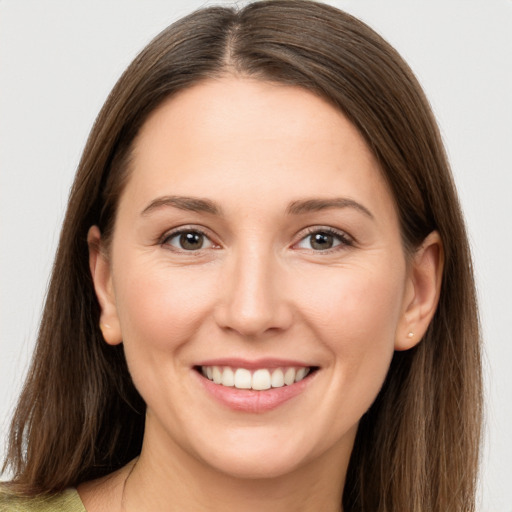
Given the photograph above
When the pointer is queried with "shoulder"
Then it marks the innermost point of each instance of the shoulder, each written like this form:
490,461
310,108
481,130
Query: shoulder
66,501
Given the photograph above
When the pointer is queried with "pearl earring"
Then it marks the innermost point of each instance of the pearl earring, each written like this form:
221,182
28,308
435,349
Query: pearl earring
410,335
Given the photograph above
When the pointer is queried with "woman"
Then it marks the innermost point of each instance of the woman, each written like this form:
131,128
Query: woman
263,294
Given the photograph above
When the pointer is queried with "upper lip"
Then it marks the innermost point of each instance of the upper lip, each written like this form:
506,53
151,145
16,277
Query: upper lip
251,364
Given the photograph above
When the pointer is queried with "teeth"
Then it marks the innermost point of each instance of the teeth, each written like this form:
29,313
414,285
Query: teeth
217,375
277,378
289,376
259,380
300,374
243,379
228,377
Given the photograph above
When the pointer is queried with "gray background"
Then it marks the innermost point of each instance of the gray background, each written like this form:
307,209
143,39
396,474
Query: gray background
59,59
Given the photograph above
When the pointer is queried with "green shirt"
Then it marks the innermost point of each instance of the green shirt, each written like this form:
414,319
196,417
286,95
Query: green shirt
66,501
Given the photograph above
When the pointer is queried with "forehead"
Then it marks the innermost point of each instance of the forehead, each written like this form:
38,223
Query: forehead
253,136
247,111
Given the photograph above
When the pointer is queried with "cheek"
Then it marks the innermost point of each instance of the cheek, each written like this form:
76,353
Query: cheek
356,318
355,304
160,308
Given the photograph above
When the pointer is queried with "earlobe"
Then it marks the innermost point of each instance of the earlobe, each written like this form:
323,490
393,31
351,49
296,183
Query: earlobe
99,266
422,292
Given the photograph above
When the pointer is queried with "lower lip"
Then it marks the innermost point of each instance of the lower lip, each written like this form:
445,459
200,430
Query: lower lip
248,400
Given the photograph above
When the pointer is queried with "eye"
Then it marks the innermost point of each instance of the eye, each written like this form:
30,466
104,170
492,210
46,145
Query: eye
324,239
187,240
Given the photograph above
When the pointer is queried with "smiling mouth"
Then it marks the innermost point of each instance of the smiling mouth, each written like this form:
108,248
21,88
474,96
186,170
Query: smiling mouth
259,379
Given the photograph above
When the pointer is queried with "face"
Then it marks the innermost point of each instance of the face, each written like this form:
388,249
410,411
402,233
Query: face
256,277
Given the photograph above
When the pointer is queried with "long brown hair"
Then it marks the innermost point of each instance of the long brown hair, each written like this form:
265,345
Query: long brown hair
79,415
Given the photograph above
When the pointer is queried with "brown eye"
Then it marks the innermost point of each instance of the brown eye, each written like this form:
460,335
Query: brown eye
323,240
191,241
188,240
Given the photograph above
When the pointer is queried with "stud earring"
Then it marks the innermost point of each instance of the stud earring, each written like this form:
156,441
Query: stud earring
104,326
410,335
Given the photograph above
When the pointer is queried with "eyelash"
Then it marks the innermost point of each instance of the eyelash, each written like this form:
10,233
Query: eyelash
343,238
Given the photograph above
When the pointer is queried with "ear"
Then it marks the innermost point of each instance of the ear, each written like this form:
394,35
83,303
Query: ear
99,265
422,292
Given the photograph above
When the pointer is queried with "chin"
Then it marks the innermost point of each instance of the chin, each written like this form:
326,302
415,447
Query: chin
257,466
272,455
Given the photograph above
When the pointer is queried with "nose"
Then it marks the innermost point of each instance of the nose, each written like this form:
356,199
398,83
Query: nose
252,298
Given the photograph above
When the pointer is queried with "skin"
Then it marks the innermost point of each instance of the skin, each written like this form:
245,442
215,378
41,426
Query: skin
257,288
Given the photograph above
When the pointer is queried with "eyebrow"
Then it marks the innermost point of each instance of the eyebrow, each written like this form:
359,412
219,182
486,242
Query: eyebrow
192,204
299,207
314,205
